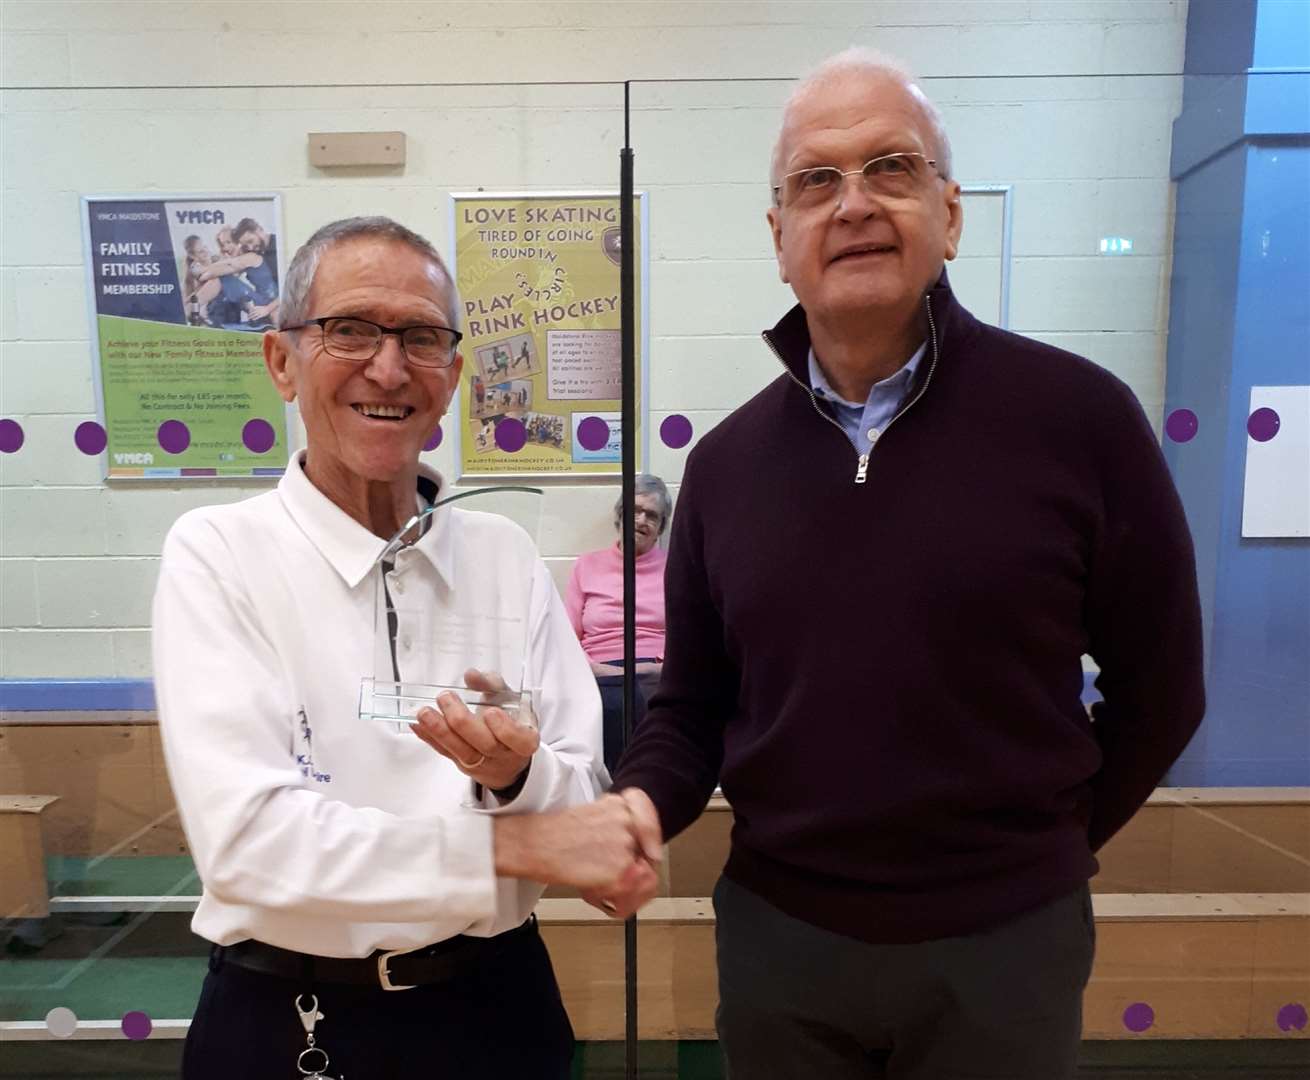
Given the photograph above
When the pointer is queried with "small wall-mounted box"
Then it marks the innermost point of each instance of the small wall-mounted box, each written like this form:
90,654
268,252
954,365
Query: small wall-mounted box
332,148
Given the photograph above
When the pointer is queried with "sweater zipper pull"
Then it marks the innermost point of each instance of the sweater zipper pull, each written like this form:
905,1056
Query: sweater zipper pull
862,469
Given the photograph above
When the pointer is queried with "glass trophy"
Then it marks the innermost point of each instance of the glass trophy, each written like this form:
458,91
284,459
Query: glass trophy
428,631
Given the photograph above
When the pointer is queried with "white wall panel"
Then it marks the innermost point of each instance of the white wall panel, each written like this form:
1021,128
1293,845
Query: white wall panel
81,593
18,591
52,521
225,102
50,457
46,377
56,654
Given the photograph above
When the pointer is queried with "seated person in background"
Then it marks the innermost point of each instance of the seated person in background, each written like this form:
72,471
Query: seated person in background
594,600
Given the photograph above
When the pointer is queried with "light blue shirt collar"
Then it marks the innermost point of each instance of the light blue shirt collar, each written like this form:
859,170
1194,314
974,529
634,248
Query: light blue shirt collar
864,422
903,378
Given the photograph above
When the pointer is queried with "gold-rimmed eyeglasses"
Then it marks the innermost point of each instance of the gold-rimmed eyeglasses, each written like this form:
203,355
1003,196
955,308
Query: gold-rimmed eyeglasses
892,176
361,339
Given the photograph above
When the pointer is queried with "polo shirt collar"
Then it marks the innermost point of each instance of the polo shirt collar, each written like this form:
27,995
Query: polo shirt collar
349,548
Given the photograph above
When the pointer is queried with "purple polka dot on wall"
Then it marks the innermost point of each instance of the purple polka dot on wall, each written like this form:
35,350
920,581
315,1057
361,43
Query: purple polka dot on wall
258,436
1262,425
11,436
174,436
1139,1016
593,433
511,435
434,440
1292,1017
137,1025
1182,425
90,437
675,431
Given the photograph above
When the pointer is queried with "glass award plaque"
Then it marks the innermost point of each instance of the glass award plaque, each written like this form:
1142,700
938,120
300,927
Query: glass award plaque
400,702
431,627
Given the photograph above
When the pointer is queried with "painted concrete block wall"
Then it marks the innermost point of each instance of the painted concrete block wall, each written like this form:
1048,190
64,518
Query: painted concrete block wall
1064,100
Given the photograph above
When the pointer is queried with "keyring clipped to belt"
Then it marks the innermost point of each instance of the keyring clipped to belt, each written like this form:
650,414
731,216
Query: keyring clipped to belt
313,1060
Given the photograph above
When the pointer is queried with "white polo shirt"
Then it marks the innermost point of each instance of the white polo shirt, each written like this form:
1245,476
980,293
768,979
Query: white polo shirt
315,830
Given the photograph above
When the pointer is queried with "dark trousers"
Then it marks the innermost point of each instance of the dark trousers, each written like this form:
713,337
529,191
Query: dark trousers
502,1020
611,703
799,1002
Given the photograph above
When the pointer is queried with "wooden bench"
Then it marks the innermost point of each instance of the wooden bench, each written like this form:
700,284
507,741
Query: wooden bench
1220,840
1210,966
108,770
23,892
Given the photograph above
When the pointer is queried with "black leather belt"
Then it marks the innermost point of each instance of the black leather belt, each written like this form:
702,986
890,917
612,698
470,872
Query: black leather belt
397,969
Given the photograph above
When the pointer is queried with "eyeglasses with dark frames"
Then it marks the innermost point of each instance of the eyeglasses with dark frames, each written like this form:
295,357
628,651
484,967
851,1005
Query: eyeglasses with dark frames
350,338
891,176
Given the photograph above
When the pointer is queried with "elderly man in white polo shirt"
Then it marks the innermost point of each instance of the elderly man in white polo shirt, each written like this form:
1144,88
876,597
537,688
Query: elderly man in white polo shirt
341,859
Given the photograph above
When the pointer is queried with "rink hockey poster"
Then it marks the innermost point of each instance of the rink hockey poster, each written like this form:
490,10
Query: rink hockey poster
538,276
181,289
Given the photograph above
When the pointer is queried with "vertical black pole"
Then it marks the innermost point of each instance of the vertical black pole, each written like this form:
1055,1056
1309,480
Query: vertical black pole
628,247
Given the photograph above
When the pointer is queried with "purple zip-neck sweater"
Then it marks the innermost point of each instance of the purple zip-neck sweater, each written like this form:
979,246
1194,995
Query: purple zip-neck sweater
885,676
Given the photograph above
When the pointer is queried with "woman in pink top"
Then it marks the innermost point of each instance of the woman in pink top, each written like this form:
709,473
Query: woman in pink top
594,599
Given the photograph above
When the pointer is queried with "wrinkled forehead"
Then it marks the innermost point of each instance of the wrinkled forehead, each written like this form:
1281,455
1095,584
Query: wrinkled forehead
379,274
874,104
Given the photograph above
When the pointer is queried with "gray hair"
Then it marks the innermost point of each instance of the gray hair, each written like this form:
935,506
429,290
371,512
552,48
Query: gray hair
862,60
293,309
647,484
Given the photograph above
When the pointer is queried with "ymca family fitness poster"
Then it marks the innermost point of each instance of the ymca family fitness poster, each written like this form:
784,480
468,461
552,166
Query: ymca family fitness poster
538,276
181,291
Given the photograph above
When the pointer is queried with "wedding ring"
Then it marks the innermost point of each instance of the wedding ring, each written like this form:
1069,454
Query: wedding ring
609,907
474,764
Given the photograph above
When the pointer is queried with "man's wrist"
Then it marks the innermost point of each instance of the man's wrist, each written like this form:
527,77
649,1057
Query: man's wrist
513,789
513,847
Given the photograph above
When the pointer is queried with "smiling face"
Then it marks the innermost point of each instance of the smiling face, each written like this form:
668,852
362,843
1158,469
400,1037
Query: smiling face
255,240
647,522
860,253
226,245
366,422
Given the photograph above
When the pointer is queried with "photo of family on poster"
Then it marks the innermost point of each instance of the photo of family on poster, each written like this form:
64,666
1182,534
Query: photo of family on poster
230,279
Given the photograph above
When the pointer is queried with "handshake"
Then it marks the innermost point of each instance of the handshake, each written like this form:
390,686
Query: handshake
607,849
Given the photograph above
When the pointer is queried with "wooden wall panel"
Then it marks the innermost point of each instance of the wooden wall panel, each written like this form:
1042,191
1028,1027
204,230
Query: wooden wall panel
1195,977
1221,840
696,856
113,790
1280,981
1220,967
1236,848
676,978
1138,858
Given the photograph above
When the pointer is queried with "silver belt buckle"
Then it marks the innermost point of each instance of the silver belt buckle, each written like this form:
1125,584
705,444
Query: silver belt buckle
384,976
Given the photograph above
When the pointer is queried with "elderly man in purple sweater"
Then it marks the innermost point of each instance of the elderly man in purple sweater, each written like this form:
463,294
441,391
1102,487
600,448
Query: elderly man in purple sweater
889,690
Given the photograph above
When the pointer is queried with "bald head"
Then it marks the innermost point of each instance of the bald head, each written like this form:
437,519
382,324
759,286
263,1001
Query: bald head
855,76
